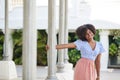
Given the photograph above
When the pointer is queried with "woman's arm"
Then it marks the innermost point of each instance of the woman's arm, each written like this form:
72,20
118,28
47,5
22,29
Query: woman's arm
97,64
63,46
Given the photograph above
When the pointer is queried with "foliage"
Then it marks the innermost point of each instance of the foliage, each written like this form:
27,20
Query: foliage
17,46
113,49
97,37
115,33
72,37
74,56
41,51
41,42
115,42
1,43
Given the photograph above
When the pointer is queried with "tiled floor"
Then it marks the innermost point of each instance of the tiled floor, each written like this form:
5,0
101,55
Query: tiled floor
111,74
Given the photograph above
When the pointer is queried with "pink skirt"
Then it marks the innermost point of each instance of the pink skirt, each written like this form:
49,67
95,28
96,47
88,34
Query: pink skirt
85,70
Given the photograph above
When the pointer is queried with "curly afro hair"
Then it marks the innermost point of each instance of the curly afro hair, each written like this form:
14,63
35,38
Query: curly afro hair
81,31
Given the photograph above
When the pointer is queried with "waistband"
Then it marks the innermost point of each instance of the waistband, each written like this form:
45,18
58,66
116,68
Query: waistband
87,59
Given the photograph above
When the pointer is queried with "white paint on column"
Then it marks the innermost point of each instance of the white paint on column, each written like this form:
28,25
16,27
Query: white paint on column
104,39
29,40
9,48
60,64
8,45
66,32
67,66
7,67
51,41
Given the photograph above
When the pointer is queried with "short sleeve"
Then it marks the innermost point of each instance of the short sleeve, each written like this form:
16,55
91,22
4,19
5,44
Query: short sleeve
78,44
101,48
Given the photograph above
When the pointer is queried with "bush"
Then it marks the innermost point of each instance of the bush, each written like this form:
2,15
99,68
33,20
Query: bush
41,52
17,46
1,44
113,49
74,56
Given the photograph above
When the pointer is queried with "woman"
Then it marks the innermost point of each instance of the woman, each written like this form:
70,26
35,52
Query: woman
88,67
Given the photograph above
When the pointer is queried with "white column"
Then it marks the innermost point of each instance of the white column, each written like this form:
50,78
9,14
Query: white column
29,40
52,54
66,31
7,34
60,64
7,66
9,48
67,66
105,42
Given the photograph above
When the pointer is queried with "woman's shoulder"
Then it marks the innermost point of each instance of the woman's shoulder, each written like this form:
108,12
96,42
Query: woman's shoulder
80,41
99,43
101,47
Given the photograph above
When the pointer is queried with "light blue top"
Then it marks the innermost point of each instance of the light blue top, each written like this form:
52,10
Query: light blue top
86,50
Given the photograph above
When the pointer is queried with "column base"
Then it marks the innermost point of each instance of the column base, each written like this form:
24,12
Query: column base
68,67
51,78
104,69
68,73
7,70
60,67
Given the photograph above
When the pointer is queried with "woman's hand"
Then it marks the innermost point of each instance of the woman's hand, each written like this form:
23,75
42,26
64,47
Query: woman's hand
47,47
98,78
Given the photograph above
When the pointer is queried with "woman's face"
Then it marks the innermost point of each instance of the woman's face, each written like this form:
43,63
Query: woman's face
89,35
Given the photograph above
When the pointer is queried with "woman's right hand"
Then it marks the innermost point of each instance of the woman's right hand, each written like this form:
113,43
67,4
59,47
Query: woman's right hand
97,78
47,47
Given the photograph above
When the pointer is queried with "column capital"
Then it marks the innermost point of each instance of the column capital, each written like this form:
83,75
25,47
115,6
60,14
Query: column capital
104,32
56,31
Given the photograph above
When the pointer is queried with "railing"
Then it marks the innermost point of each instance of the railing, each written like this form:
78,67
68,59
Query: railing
16,3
